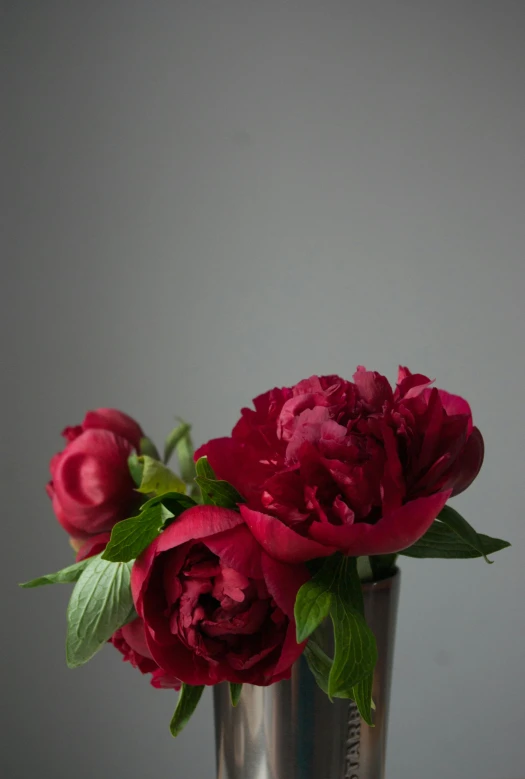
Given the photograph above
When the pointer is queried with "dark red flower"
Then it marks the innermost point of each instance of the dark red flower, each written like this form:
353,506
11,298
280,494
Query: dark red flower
215,606
354,466
91,486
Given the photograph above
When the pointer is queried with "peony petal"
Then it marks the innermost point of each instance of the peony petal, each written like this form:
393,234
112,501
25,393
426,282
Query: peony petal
134,634
69,527
196,523
290,653
373,388
454,405
92,484
116,422
70,433
179,661
432,425
237,549
409,385
396,531
283,582
164,681
393,482
468,463
279,541
294,408
231,461
93,546
172,563
140,575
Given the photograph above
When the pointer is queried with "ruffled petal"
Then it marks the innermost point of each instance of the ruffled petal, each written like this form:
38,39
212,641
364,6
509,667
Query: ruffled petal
280,542
238,549
116,422
394,532
283,582
468,464
94,545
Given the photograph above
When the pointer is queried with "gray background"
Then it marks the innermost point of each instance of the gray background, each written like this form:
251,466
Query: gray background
205,199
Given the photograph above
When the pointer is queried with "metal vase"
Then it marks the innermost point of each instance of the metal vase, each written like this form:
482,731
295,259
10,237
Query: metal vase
290,730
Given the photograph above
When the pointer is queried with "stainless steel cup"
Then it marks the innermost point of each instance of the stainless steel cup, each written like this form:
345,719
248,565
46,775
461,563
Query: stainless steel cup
291,730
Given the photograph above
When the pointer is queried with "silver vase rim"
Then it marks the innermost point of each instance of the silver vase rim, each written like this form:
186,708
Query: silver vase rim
382,584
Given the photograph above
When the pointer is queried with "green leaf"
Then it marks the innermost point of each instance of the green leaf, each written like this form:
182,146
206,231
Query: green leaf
189,697
65,576
176,435
131,536
441,542
362,695
218,493
355,645
452,519
204,469
383,565
176,502
158,479
319,664
148,447
312,605
185,452
136,469
235,693
100,604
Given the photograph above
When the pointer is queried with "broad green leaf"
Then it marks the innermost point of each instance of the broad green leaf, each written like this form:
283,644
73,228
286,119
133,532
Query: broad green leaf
235,693
185,454
218,493
452,519
176,502
136,469
65,576
100,604
158,479
319,664
189,697
176,435
355,645
148,447
185,458
362,695
441,542
204,469
131,536
312,605
383,565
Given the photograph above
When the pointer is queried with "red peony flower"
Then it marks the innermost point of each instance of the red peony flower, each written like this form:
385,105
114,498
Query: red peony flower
215,606
91,486
353,466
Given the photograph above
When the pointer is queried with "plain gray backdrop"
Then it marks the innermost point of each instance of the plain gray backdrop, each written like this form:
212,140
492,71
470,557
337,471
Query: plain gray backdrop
206,199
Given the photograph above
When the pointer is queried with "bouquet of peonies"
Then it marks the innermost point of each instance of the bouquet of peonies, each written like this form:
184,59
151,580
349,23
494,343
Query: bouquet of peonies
224,572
